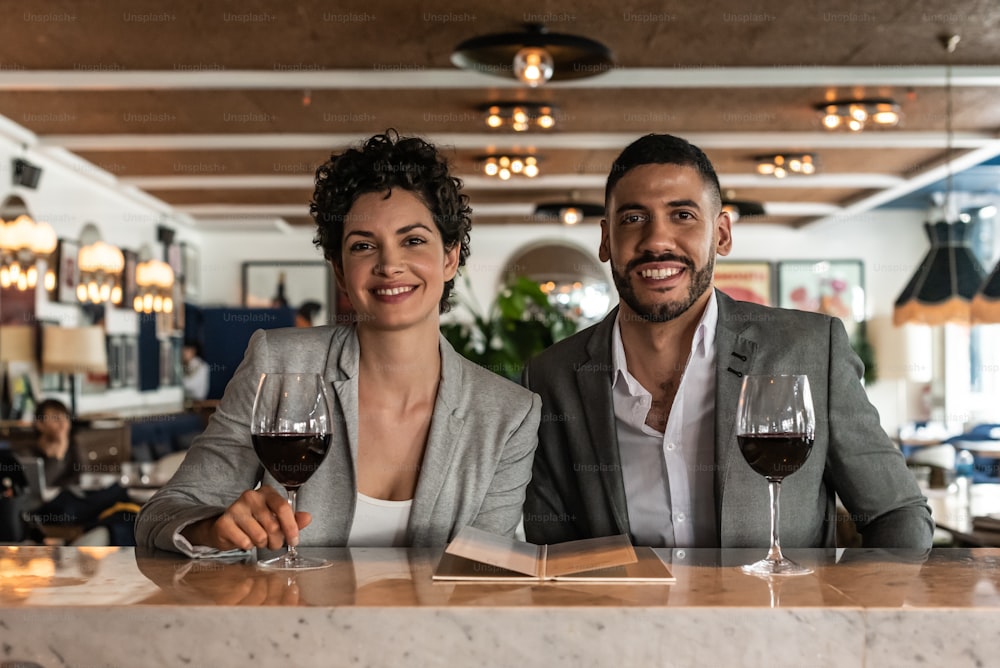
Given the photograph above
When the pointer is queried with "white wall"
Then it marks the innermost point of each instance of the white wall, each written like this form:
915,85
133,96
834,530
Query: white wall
73,193
223,254
70,194
891,245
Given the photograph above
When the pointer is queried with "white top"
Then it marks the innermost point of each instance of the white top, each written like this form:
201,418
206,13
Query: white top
379,523
196,379
670,477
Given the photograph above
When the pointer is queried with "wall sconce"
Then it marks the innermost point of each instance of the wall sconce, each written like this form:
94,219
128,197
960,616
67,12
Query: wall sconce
101,266
23,242
569,212
520,116
154,281
505,166
856,115
781,165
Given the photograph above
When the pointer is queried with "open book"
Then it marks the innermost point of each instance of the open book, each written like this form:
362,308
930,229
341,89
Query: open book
477,555
986,522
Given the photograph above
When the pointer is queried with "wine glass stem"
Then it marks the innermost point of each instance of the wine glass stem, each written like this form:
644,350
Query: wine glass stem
292,501
774,552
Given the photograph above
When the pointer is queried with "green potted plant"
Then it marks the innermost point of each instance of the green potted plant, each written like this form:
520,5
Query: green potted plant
521,323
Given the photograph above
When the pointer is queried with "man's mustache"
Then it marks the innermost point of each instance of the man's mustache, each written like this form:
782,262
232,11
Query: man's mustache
664,257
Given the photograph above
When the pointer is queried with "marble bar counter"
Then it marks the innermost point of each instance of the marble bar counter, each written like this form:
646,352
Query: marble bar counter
112,607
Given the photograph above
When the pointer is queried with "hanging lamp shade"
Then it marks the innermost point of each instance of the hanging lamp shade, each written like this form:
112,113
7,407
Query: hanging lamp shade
986,303
941,290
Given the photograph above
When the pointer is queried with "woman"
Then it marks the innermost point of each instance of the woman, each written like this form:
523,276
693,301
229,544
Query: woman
428,441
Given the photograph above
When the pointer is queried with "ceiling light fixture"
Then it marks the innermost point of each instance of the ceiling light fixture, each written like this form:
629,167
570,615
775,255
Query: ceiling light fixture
505,166
569,212
856,115
781,165
533,56
942,289
519,116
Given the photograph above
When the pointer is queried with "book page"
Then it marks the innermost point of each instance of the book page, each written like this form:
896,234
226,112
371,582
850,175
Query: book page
588,554
487,548
649,569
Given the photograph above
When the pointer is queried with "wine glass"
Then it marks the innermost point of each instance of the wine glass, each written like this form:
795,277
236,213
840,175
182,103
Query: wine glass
291,429
775,430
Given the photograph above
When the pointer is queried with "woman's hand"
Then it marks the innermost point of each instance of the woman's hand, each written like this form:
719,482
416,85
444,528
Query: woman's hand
259,518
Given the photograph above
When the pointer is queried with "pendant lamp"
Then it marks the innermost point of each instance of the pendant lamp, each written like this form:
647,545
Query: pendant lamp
944,284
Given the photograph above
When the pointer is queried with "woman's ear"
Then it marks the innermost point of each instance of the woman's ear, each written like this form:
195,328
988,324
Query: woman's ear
451,256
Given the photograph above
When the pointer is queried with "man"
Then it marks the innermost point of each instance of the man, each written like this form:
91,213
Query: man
197,375
638,420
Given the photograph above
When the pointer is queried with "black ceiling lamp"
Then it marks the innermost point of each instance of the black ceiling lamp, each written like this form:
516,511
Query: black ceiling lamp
569,212
534,56
944,284
986,303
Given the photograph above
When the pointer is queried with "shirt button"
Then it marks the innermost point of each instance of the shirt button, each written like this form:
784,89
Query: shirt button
671,447
680,517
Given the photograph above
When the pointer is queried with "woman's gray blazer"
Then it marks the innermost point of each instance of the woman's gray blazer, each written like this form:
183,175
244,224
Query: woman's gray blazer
476,465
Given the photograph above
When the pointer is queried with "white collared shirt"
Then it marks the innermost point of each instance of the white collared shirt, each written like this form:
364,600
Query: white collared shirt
670,477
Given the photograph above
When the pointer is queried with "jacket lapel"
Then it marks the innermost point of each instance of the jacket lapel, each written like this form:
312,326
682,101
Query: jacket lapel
445,431
342,375
735,351
594,380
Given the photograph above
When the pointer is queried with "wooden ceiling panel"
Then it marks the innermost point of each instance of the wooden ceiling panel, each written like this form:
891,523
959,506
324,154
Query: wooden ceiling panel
156,133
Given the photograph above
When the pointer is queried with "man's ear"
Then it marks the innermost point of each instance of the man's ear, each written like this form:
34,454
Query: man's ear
724,233
604,250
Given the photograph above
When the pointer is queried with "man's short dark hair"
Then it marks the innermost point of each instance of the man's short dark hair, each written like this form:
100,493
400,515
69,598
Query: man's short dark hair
654,149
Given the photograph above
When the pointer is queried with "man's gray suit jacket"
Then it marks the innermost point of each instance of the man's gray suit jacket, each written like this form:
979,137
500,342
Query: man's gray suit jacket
577,490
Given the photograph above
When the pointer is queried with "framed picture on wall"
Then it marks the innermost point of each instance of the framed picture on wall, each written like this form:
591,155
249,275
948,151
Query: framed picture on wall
268,284
833,287
116,361
746,281
129,286
174,260
130,356
67,272
191,271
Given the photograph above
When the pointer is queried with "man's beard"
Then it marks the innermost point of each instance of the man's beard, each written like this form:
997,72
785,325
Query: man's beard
701,280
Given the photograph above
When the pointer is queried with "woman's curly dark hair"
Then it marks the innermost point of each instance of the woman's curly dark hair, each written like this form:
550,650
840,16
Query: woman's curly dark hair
384,162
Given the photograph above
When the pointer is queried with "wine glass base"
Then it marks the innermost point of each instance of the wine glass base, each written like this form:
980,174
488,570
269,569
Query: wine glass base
295,563
766,567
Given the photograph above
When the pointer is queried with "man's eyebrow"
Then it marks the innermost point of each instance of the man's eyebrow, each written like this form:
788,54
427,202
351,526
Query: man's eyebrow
673,204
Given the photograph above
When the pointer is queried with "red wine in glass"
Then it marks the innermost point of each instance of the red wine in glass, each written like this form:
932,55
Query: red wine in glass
291,428
291,458
775,430
775,456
